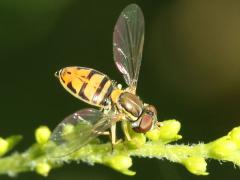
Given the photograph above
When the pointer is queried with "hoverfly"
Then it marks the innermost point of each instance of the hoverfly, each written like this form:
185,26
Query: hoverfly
95,88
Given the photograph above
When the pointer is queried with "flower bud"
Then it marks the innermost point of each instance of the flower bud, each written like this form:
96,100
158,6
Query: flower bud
235,135
222,148
153,134
42,134
196,165
167,132
43,168
120,163
137,141
3,146
170,129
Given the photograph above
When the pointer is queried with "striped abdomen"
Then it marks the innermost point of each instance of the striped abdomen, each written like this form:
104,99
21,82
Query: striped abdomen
86,84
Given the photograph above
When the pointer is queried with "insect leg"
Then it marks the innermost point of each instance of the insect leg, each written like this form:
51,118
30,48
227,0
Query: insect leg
159,124
113,133
117,118
125,130
106,133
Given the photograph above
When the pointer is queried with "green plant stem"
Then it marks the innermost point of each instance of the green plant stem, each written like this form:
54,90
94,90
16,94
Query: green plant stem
98,153
38,158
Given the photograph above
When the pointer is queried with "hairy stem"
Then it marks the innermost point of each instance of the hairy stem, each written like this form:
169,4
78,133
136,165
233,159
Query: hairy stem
154,144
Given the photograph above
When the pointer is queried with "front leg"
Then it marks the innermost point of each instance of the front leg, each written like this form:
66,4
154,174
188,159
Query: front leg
116,119
125,130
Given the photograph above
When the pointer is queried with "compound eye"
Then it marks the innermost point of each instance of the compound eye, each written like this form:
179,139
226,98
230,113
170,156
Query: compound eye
145,124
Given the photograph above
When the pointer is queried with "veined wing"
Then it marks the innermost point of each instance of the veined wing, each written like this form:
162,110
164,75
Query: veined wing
128,39
77,130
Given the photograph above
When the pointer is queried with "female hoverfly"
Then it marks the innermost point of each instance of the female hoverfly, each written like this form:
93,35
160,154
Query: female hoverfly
95,88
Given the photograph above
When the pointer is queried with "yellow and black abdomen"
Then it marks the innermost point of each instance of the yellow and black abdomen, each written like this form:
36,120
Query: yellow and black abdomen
87,84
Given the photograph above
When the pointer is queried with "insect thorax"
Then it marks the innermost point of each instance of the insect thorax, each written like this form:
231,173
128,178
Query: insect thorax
127,103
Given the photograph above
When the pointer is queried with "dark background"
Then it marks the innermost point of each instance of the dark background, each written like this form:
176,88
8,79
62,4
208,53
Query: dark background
190,71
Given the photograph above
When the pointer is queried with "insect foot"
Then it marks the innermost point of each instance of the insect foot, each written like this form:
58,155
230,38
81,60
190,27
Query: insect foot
137,140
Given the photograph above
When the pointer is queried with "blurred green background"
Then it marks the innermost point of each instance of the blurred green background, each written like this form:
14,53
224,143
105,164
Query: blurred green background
190,71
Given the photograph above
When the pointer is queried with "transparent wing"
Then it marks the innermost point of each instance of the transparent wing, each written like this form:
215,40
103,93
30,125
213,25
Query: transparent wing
77,130
128,39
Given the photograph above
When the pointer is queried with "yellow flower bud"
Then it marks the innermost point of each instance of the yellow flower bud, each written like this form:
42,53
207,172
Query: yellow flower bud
43,168
120,163
3,146
153,134
196,165
235,135
222,148
137,141
42,134
168,131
